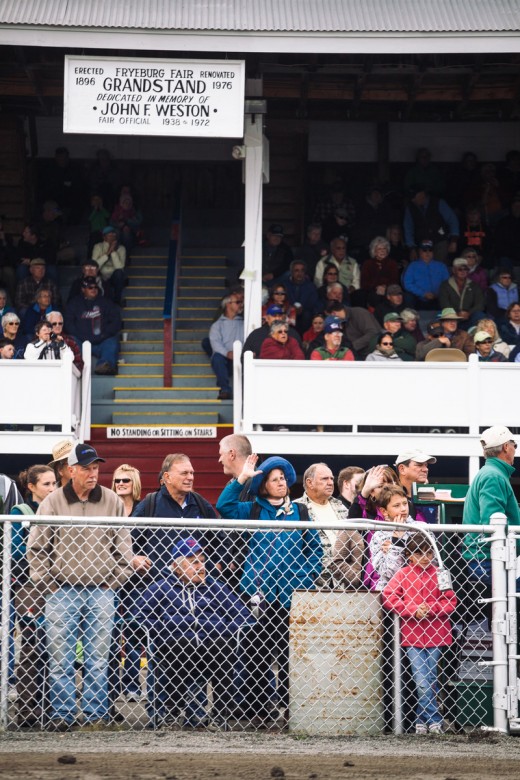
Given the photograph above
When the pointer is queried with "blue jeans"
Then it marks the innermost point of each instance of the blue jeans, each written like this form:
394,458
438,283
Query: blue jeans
222,367
68,610
424,670
107,351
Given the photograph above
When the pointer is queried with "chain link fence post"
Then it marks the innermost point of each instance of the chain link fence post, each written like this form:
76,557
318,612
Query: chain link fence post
499,621
5,623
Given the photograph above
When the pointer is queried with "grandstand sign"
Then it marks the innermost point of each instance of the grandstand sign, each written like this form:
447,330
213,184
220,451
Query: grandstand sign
127,96
161,432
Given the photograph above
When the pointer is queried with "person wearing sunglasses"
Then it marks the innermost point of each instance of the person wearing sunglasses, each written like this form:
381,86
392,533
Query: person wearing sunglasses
279,345
384,349
485,350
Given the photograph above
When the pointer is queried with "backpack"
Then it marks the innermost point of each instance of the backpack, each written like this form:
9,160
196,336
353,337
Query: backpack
151,500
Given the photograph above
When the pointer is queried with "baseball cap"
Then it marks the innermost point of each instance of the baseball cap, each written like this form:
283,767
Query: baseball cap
392,316
37,261
274,309
109,229
276,229
84,455
481,335
332,325
460,262
426,244
60,451
417,455
186,548
495,436
394,289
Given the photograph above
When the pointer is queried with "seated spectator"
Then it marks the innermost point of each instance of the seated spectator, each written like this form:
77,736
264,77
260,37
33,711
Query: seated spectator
105,178
429,218
501,294
89,268
450,336
254,341
510,327
279,345
4,307
336,225
278,297
384,349
50,228
27,288
404,343
90,317
7,263
332,348
223,333
127,219
476,235
459,293
110,256
6,349
46,345
64,183
55,320
336,199
490,327
99,219
425,175
186,650
38,311
423,278
379,272
317,326
490,195
373,216
276,255
313,249
302,293
29,247
476,273
331,276
12,333
507,238
348,268
393,302
410,320
463,182
342,550
485,350
398,250
359,328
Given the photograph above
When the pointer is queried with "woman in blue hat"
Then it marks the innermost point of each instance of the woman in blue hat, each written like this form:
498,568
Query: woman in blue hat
276,564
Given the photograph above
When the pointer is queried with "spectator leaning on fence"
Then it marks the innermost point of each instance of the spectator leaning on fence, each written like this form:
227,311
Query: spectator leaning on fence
79,568
490,492
342,549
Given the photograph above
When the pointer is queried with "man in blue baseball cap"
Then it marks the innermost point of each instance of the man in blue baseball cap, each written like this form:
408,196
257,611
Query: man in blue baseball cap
193,621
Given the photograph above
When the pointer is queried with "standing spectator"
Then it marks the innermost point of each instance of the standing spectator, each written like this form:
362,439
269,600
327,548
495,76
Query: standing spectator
276,255
342,550
277,563
80,568
490,492
110,256
484,348
332,348
501,294
510,327
37,280
359,328
349,481
46,345
412,467
223,333
461,294
55,320
90,317
279,345
413,593
387,547
429,218
60,461
451,336
423,278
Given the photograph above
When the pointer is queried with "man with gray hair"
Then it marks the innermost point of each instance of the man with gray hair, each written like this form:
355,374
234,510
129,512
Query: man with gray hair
223,333
343,550
490,492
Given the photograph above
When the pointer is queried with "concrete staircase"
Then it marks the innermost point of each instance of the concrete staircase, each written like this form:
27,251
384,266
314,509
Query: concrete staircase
137,396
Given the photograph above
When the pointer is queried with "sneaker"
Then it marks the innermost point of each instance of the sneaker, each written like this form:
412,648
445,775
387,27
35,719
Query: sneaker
421,728
436,728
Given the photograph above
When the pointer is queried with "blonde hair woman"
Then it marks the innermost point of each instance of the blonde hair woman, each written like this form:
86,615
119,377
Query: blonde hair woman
499,345
126,483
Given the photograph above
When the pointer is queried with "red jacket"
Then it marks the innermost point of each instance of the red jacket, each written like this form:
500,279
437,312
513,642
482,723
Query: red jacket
404,594
273,350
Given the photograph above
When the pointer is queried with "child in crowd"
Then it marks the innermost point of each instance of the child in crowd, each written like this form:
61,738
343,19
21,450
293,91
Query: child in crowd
413,593
387,547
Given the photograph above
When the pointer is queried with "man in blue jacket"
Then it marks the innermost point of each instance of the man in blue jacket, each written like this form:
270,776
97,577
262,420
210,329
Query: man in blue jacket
194,623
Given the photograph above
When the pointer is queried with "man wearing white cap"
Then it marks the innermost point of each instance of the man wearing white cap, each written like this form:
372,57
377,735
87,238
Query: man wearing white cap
412,466
490,492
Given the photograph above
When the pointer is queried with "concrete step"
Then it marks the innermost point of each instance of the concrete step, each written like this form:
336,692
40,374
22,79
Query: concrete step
202,282
156,394
161,405
155,368
139,380
165,418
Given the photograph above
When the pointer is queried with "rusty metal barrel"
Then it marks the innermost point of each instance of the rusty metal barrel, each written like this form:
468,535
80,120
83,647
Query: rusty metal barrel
335,683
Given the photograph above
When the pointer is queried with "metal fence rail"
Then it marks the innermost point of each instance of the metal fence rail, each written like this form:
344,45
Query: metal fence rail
282,625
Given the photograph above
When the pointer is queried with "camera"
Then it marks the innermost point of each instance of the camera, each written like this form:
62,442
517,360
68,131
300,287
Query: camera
53,336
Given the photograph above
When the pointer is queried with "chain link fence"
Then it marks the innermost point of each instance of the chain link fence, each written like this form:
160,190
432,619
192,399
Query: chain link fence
248,625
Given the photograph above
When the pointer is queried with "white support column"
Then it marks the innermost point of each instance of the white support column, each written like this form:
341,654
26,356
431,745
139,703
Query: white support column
252,275
499,622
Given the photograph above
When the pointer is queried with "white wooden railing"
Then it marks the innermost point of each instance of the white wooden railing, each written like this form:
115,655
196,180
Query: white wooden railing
420,396
37,395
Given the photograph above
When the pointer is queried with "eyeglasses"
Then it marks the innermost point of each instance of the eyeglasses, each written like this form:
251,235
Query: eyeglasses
387,343
124,480
462,268
55,324
282,331
486,341
279,293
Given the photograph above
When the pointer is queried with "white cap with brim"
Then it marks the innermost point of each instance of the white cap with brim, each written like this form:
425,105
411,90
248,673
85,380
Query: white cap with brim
417,455
495,436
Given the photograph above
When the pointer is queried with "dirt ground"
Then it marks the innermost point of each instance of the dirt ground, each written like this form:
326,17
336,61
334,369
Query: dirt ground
200,757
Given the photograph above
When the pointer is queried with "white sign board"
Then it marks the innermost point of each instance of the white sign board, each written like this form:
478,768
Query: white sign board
164,432
123,96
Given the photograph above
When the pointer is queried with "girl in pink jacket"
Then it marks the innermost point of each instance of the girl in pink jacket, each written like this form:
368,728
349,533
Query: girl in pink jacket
413,594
